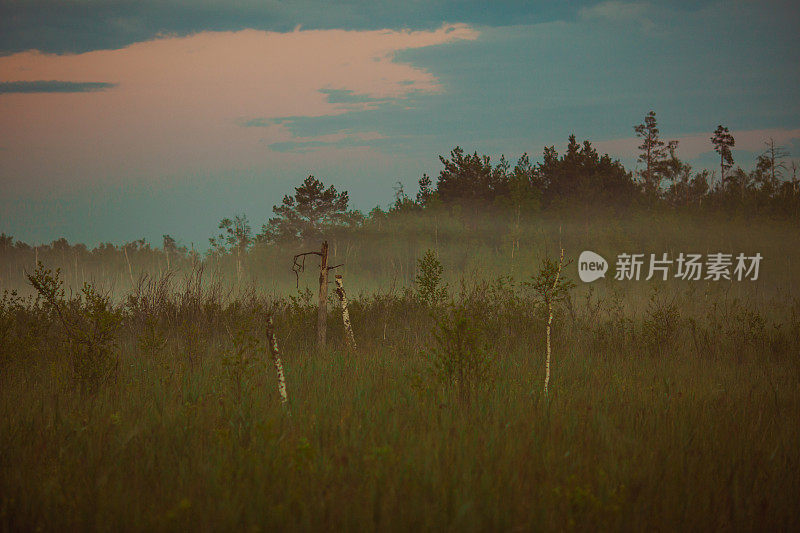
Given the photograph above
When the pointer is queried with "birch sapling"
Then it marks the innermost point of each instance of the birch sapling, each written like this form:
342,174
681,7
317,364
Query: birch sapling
348,328
276,359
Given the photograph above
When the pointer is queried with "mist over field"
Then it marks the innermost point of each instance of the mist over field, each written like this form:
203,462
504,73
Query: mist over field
205,325
668,406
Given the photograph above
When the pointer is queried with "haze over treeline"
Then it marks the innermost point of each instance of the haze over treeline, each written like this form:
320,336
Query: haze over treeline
472,196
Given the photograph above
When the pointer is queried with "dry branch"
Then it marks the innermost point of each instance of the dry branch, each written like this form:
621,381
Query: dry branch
322,310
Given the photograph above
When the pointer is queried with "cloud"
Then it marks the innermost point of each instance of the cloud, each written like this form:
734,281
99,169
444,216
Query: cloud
179,104
82,25
52,86
631,14
614,10
203,124
338,140
345,96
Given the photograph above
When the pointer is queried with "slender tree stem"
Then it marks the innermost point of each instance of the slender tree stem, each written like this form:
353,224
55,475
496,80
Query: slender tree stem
550,321
348,328
322,311
276,358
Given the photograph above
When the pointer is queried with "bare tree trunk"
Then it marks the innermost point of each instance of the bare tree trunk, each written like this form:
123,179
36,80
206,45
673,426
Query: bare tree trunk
722,167
238,267
322,311
130,270
550,321
547,361
348,328
276,358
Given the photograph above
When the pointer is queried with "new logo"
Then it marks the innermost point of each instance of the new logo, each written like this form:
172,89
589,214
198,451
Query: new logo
591,266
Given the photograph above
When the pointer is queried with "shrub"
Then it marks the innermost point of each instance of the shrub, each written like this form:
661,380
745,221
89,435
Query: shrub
430,290
89,327
551,288
459,353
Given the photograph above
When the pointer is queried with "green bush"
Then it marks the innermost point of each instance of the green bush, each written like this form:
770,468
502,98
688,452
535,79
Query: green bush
459,354
88,327
430,289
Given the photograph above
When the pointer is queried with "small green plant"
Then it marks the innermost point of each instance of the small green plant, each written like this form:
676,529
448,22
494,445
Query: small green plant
10,306
661,324
89,327
551,288
459,353
241,358
152,338
429,288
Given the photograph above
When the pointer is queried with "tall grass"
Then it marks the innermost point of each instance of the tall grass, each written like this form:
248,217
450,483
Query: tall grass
671,406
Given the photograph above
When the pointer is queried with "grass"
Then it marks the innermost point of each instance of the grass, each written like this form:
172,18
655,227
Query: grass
670,407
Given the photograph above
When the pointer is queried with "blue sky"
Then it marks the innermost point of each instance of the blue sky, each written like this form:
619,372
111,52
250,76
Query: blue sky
120,120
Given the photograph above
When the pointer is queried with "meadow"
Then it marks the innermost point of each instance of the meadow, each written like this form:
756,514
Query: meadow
149,400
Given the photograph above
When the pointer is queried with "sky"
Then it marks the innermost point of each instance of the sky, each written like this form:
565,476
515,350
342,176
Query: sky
124,119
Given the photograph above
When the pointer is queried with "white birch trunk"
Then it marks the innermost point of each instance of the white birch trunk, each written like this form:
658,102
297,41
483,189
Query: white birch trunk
348,328
550,321
276,358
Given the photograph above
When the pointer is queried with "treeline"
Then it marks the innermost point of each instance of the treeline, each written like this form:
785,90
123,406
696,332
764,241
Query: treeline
471,196
582,178
116,264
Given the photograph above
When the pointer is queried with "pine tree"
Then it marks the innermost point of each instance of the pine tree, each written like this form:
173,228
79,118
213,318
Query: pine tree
654,152
236,238
312,210
723,142
425,192
770,165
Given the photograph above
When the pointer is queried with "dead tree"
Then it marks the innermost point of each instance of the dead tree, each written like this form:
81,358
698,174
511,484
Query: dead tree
322,310
348,328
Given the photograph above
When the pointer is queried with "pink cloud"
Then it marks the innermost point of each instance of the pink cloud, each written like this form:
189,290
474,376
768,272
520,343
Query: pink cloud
178,103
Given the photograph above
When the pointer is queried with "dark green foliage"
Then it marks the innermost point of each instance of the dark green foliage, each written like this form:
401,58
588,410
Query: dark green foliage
425,193
470,179
525,187
431,290
244,362
236,235
235,240
307,214
6,241
550,284
584,177
685,189
723,141
88,327
170,245
11,309
459,354
657,156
